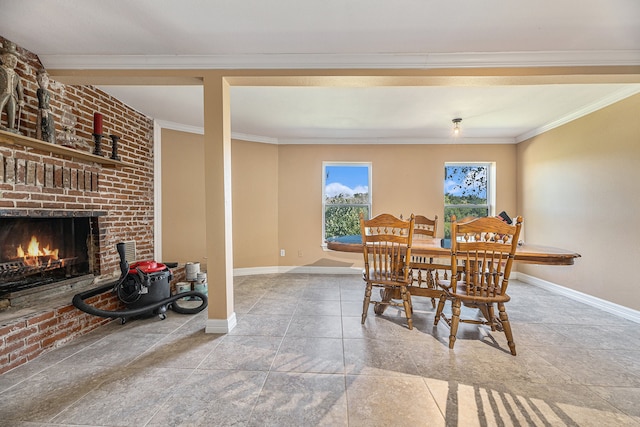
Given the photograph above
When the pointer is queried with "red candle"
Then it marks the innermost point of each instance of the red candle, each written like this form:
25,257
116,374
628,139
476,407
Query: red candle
97,123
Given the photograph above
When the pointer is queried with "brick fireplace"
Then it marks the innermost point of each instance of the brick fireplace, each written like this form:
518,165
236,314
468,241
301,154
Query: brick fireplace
113,199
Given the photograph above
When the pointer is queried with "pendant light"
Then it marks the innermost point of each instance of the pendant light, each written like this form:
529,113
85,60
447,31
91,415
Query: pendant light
456,126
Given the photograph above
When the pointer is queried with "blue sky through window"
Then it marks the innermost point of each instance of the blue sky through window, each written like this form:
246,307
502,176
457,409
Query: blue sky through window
457,180
347,180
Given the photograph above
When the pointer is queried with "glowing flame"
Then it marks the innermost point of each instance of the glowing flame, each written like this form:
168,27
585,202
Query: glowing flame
34,251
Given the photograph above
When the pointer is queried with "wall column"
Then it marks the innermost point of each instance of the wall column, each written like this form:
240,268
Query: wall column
218,214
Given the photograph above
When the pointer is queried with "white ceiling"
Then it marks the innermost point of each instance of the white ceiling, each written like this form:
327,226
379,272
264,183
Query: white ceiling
109,34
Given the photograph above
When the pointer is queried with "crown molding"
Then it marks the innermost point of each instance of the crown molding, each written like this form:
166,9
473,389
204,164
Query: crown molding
346,61
164,124
393,141
254,138
338,140
611,99
605,102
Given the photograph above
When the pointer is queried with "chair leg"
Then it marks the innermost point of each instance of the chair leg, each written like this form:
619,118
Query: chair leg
506,326
491,312
455,320
439,310
406,301
367,301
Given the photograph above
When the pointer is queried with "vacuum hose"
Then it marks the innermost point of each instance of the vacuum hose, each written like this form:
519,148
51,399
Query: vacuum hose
79,299
78,302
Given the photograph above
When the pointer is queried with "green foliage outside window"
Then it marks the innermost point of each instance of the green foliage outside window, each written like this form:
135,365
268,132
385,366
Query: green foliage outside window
460,213
342,214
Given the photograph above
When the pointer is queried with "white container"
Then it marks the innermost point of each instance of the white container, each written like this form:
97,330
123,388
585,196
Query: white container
201,287
182,287
193,268
200,284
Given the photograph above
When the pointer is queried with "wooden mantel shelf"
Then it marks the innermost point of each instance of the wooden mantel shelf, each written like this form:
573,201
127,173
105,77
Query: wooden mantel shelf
10,138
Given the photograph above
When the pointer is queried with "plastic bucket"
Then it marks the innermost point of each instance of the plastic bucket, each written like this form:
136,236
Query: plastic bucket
200,287
182,287
192,270
200,284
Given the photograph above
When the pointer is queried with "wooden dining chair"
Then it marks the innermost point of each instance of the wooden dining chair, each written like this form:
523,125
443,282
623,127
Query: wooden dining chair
482,252
386,246
425,270
425,227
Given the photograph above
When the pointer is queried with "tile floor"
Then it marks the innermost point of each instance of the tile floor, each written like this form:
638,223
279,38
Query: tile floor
300,357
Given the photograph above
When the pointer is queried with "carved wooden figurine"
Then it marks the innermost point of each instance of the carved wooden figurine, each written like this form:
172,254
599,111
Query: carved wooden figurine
11,93
45,128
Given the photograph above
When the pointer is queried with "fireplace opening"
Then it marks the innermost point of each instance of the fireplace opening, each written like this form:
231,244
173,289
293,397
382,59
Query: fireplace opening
40,251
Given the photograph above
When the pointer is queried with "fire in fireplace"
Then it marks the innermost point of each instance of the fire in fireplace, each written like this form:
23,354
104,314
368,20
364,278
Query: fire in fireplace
36,257
43,250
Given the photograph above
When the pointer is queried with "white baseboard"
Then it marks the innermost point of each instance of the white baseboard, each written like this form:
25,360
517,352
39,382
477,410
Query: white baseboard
608,306
221,326
296,269
254,270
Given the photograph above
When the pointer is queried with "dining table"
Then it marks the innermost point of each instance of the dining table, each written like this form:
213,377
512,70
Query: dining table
435,249
439,248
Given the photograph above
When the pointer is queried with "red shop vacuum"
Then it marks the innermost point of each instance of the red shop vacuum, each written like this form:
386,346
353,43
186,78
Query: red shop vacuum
145,288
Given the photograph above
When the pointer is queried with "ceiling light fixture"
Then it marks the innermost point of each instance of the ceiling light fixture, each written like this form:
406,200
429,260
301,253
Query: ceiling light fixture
456,126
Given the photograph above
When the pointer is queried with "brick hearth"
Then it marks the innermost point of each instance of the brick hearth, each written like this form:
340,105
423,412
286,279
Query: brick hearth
29,331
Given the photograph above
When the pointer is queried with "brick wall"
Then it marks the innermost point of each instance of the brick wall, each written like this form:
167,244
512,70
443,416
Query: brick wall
38,179
26,338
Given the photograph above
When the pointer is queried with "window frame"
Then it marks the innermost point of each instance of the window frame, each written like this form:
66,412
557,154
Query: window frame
325,164
491,189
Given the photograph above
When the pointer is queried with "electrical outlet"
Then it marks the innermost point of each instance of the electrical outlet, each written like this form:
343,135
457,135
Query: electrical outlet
281,252
300,252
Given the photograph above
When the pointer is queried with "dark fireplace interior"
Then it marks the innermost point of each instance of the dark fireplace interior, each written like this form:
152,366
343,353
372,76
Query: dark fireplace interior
39,251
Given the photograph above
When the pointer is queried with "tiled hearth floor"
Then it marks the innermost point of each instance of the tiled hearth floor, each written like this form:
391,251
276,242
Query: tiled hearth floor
300,357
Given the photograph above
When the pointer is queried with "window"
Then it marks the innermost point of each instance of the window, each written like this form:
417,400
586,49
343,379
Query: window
467,191
346,191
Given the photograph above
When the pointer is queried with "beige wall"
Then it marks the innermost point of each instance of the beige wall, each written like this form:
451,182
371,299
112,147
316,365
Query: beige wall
578,187
406,179
255,201
254,184
277,194
182,175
